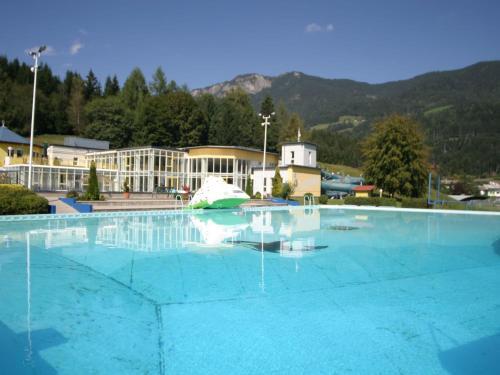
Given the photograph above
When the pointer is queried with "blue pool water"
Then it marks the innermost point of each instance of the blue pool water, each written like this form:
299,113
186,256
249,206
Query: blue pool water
317,291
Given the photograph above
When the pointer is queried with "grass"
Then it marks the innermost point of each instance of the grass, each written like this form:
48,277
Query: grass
51,139
320,127
436,110
342,169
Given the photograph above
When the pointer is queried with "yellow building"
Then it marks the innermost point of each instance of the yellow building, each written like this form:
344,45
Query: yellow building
15,149
363,191
233,163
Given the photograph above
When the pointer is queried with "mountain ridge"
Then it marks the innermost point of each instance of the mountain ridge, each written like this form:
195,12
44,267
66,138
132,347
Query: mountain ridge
311,95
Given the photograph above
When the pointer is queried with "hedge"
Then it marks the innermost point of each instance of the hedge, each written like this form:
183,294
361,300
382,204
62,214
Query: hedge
371,201
323,199
17,200
414,203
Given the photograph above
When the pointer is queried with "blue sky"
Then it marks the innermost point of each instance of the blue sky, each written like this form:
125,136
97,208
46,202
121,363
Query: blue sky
203,42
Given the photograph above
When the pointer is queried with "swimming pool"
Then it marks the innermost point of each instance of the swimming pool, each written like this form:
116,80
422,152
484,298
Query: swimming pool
286,291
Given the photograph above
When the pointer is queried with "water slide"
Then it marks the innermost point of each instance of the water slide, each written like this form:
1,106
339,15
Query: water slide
335,185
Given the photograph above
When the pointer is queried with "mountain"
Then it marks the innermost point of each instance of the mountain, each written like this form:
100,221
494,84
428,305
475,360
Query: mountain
323,101
459,110
251,83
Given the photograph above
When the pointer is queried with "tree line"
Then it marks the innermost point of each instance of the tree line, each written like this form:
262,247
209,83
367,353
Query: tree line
139,113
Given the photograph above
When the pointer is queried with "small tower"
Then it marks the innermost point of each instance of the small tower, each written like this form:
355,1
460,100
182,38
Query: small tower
298,153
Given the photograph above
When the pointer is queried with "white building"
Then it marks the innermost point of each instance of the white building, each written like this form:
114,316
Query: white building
297,167
491,189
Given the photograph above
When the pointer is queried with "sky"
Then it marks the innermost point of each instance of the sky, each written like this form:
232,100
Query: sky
204,42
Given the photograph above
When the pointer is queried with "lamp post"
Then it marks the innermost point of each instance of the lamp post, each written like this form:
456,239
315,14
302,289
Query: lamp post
35,53
264,124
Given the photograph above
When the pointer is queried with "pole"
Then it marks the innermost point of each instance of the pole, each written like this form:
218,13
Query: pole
264,157
264,124
32,121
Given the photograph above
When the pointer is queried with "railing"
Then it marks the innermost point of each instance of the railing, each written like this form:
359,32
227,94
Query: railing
15,160
309,200
178,198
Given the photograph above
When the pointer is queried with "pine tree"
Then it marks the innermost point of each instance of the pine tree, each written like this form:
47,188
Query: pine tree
76,105
290,131
92,192
135,89
92,87
277,183
249,186
159,84
395,157
282,118
111,87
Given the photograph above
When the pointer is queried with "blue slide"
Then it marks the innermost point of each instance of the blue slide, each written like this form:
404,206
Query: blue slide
337,186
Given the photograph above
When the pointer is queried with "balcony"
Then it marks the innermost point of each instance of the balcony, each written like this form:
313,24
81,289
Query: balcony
16,160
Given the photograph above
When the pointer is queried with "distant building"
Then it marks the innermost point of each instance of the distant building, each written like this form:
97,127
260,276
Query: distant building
297,167
491,189
147,169
15,149
363,191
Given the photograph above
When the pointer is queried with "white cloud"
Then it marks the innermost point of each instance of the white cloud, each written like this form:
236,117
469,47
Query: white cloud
313,28
75,47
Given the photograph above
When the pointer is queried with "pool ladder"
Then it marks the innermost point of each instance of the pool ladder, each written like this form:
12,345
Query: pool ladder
178,199
309,200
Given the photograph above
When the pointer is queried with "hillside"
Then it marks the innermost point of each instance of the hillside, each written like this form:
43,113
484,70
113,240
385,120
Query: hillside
459,110
320,100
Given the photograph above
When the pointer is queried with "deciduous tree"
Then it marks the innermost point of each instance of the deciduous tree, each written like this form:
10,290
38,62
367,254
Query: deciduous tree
395,157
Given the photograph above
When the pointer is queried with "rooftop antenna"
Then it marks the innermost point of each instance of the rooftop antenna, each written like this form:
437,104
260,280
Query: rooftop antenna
298,135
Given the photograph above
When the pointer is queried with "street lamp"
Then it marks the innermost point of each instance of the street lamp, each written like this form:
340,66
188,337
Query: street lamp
264,124
35,53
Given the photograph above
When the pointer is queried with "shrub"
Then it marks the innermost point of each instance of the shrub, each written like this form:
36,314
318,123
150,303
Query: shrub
92,193
287,190
323,199
249,186
257,195
371,201
277,183
414,203
17,200
72,194
126,188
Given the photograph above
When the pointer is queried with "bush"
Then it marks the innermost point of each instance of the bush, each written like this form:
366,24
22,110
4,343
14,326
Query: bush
92,193
257,195
371,201
17,200
323,199
414,203
72,194
249,186
287,190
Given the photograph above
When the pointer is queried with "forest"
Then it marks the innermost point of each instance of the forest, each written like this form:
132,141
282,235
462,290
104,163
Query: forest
157,113
462,131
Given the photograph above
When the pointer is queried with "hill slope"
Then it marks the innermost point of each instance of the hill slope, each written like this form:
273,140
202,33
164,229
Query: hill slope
459,109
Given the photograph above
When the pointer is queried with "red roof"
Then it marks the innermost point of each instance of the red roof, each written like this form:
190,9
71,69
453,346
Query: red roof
364,188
